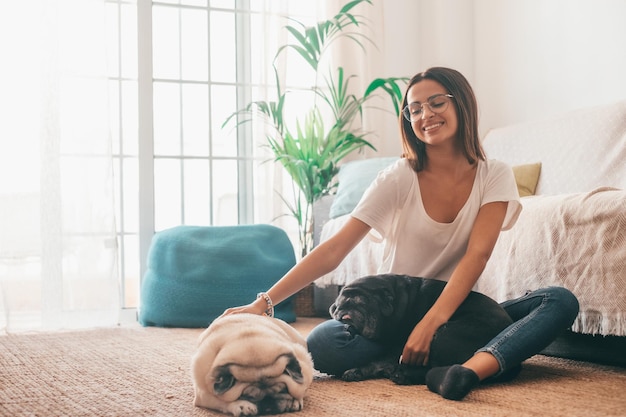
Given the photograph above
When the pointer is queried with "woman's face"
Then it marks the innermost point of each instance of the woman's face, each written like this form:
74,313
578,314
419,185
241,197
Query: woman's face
432,127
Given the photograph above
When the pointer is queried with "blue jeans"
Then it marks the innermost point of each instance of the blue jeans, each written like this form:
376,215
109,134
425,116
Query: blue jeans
538,318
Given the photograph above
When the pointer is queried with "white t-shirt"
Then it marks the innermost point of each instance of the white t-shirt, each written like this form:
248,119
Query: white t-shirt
417,245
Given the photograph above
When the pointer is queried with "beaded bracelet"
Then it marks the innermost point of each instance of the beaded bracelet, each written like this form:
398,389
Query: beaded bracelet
269,311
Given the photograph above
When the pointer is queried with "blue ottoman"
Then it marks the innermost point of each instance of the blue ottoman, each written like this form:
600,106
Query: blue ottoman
194,273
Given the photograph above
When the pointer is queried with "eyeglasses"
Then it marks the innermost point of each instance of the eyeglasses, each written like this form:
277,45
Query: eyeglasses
437,104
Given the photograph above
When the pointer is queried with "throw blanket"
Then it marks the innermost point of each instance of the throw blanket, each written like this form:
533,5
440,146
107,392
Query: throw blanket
363,260
577,241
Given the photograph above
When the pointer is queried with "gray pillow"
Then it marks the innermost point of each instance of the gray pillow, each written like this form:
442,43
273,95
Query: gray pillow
354,177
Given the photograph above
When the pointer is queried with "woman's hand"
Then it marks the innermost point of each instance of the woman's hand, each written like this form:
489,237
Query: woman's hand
417,348
257,307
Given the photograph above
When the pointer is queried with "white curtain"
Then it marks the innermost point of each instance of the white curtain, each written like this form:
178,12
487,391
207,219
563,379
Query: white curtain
274,183
366,65
58,266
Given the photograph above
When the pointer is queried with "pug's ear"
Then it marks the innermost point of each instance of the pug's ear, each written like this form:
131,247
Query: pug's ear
332,309
223,380
293,369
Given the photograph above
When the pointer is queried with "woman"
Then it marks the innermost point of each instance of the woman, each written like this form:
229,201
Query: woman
439,211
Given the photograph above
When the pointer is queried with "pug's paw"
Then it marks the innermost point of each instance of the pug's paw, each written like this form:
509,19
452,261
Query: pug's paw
353,375
408,375
286,403
242,408
400,378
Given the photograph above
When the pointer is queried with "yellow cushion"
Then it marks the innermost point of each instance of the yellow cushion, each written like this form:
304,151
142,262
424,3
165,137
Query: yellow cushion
526,177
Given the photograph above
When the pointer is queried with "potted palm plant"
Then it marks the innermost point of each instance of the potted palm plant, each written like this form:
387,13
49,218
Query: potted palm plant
311,154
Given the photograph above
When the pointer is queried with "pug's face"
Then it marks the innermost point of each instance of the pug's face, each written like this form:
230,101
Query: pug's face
365,304
248,365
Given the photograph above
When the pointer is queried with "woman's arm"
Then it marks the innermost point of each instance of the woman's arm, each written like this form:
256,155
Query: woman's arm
321,260
482,240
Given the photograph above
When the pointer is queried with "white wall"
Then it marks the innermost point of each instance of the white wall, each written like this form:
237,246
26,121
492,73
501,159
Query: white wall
527,59
393,30
538,58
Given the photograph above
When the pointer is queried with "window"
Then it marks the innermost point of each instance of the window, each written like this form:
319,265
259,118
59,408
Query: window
177,69
122,59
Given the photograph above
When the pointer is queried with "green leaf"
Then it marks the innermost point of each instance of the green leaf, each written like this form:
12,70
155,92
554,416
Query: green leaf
391,87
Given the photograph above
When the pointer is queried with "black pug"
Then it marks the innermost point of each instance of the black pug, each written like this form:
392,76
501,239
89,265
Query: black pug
387,307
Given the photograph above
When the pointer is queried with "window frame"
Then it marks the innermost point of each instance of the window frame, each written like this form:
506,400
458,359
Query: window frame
145,156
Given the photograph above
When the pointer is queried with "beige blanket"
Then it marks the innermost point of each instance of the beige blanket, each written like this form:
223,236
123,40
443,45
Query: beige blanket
577,241
363,260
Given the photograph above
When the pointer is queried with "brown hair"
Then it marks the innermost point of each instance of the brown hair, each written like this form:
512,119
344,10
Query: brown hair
466,109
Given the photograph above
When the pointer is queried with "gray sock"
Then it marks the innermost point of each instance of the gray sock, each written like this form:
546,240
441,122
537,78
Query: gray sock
452,382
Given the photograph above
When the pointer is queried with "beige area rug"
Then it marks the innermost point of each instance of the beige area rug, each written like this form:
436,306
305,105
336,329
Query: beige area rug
145,372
